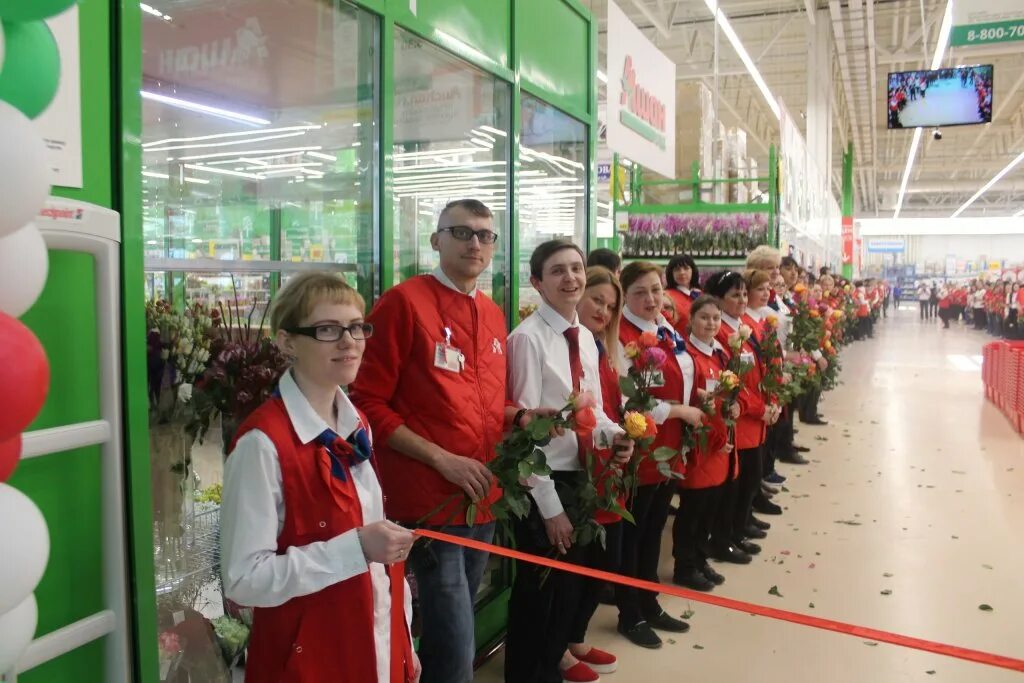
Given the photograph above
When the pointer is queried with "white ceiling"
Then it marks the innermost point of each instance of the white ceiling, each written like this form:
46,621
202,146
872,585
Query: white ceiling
872,38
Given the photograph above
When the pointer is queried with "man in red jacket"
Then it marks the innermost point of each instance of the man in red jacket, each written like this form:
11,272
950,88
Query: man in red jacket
433,387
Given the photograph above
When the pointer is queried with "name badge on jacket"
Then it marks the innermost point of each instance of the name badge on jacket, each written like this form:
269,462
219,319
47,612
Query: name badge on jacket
448,358
747,357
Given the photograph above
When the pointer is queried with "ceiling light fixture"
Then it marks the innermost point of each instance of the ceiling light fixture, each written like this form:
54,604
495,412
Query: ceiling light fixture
601,76
940,49
230,143
249,152
154,174
204,109
234,134
723,23
984,188
222,171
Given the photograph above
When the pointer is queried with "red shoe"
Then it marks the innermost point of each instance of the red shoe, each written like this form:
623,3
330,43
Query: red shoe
579,673
600,661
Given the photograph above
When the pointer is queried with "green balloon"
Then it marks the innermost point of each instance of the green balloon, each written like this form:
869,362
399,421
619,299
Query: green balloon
31,10
31,69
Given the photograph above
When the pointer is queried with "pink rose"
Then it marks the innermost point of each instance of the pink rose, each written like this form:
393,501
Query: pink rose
585,399
653,357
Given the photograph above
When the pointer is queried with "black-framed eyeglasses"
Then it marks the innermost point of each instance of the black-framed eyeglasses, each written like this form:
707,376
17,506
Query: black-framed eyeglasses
332,333
464,233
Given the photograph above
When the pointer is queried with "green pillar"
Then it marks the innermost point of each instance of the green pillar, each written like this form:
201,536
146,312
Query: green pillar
847,234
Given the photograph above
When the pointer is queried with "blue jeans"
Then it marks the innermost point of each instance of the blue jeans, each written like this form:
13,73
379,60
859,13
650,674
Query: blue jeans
447,589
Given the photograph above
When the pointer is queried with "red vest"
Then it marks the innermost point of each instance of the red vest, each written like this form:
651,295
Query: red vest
750,428
328,635
710,466
611,401
398,384
670,433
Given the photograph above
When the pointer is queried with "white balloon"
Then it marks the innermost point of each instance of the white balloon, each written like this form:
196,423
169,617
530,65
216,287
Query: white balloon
17,627
24,263
24,547
24,171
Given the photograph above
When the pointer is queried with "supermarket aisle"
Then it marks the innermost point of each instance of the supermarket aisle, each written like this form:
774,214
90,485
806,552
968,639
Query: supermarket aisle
908,518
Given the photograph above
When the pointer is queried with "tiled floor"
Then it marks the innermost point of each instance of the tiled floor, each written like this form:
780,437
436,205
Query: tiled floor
930,480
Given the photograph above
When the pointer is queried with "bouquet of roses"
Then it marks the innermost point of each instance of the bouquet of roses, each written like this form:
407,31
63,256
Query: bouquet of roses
726,392
777,382
648,360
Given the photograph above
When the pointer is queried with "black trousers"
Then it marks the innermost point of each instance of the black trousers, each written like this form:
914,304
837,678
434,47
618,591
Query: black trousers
641,551
606,559
698,509
809,405
737,499
979,319
543,606
925,310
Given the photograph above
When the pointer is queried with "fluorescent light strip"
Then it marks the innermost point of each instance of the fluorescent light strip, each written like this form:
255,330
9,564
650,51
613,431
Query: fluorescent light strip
225,144
1019,214
940,49
154,11
198,181
723,23
203,108
601,76
154,174
320,155
984,188
217,136
249,152
222,171
489,129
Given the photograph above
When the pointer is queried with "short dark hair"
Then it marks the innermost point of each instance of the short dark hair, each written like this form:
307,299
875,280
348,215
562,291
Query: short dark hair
548,249
823,270
605,257
720,283
675,262
474,207
789,262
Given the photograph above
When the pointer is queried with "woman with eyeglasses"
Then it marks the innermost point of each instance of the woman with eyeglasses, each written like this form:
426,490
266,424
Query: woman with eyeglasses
304,540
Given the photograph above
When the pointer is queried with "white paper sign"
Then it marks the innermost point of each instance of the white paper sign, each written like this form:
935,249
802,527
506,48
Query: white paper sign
61,123
641,97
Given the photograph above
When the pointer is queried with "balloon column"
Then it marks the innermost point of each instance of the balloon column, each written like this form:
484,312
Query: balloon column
29,74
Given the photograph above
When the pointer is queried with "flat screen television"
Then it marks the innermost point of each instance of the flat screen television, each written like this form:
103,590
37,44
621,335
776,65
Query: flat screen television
957,96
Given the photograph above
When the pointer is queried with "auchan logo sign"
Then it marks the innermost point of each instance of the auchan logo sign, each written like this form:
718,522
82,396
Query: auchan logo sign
644,113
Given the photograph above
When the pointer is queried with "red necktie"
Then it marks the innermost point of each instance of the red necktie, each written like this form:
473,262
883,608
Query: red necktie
572,336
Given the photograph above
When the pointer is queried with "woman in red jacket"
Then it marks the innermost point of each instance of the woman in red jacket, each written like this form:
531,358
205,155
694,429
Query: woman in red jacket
728,541
303,535
639,611
711,464
682,278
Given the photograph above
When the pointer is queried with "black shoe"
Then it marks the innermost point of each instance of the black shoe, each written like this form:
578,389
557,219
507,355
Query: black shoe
607,595
731,553
752,531
666,622
766,507
801,449
748,547
641,634
760,523
693,579
793,458
815,421
711,575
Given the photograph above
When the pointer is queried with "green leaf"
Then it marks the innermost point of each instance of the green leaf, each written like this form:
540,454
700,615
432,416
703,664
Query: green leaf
471,514
985,608
687,614
665,470
664,453
627,387
887,591
626,515
811,605
774,590
698,647
540,427
525,469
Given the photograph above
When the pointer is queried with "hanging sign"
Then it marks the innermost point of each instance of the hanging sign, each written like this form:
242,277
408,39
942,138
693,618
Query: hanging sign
895,246
641,97
987,21
847,240
61,123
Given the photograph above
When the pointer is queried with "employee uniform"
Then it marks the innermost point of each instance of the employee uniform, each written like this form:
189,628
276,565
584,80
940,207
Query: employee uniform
437,366
683,297
641,541
550,358
295,493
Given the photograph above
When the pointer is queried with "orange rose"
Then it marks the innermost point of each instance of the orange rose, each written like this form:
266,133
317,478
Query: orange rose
585,422
814,313
652,428
648,339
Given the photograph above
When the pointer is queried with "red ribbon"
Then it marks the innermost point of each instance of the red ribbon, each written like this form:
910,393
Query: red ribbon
969,655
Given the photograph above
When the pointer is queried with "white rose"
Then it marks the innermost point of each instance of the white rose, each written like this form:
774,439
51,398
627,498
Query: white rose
165,354
185,393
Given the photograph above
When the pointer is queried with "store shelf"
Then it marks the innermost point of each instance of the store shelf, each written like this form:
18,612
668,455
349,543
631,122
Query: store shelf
207,265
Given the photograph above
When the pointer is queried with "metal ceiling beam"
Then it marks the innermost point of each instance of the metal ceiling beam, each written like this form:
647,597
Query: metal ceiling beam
656,21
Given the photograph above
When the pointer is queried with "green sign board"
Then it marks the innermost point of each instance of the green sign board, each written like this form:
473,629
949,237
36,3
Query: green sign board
987,21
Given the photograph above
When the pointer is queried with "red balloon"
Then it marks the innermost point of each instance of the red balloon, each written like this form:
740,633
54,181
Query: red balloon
24,376
10,451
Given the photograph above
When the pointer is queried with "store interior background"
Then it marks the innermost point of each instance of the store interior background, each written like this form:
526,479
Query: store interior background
330,134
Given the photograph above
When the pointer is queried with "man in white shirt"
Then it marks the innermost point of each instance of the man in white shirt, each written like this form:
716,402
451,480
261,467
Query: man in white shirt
552,356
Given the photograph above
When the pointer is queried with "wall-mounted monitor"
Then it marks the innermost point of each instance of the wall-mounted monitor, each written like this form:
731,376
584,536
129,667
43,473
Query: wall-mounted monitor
957,96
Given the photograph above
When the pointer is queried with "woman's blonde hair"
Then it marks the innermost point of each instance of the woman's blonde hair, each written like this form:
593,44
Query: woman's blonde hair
764,257
596,276
303,292
755,278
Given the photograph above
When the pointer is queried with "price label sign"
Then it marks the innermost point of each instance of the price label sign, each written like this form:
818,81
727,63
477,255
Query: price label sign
987,21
